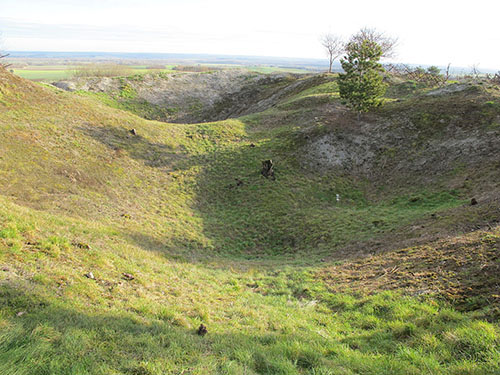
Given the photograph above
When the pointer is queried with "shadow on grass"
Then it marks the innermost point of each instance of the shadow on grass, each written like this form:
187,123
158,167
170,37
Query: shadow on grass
296,216
41,336
178,248
51,336
156,155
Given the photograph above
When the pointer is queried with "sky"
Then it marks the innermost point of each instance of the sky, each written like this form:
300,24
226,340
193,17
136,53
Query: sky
430,32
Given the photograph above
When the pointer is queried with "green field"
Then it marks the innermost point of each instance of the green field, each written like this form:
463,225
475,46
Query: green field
48,75
63,72
115,247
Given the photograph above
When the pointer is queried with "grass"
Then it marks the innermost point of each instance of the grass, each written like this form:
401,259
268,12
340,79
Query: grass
259,320
126,101
253,261
384,334
48,75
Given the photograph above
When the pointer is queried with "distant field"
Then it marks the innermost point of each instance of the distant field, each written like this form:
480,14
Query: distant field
36,74
60,72
275,69
263,68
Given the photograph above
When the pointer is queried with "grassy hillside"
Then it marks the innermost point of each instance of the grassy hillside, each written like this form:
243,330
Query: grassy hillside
115,247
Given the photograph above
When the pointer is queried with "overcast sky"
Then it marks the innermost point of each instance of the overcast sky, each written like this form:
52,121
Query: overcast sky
430,32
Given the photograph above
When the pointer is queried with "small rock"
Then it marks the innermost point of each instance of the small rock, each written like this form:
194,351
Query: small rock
133,131
473,202
82,245
128,276
202,330
89,275
20,313
5,269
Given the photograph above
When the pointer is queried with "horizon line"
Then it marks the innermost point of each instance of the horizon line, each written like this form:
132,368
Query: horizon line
317,60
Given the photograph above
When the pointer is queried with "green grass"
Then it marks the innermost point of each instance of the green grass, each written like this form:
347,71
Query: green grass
80,194
47,75
261,321
58,73
126,101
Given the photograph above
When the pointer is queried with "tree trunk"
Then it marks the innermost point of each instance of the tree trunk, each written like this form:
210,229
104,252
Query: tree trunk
268,169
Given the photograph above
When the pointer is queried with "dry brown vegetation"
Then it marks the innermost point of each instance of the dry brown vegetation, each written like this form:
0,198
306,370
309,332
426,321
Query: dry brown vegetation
463,269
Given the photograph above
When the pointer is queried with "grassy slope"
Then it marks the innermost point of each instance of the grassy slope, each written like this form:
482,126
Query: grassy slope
81,194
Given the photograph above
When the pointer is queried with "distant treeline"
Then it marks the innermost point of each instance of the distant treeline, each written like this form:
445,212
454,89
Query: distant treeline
103,70
195,68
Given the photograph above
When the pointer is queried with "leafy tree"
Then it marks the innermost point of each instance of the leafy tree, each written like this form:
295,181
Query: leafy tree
419,71
434,71
362,83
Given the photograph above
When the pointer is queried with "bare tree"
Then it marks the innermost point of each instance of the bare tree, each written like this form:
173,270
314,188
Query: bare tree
495,79
3,55
474,71
4,65
334,46
447,74
430,76
387,43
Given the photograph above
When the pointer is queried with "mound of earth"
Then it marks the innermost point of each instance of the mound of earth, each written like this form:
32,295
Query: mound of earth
454,133
463,270
192,97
